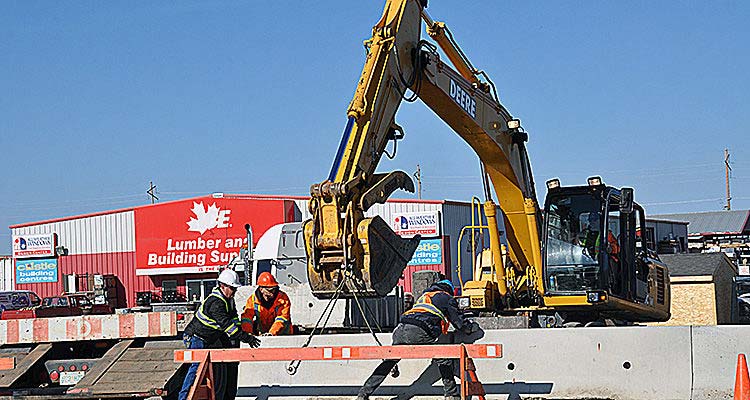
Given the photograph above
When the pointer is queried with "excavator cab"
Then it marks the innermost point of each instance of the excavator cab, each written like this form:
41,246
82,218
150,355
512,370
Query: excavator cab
595,258
582,249
595,263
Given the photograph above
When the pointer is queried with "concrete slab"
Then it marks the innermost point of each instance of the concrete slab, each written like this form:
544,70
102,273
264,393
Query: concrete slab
715,350
614,362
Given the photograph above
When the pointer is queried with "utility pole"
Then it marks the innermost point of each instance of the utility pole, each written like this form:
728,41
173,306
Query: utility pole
150,192
727,170
418,176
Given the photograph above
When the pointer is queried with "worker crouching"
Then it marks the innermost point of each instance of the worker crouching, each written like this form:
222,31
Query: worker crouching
216,325
267,311
423,324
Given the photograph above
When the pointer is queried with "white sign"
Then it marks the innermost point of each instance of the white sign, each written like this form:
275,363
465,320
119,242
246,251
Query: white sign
426,224
463,99
27,246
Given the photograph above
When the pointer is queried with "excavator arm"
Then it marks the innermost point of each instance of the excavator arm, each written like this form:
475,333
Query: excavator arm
470,106
350,255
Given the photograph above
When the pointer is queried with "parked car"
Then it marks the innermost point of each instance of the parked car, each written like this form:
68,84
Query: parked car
18,299
60,306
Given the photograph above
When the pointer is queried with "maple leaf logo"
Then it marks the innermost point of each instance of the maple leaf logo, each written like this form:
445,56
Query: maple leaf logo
205,218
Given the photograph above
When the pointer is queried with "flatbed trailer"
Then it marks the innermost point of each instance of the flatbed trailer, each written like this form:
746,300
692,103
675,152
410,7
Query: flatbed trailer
86,357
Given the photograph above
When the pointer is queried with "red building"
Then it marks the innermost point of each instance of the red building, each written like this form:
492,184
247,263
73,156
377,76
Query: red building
147,248
177,247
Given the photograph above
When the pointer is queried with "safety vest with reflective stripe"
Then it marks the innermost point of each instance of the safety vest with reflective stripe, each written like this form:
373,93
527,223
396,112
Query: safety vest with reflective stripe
276,319
209,322
424,305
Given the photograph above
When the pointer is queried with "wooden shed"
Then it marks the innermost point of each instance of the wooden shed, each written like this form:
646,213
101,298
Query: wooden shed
701,288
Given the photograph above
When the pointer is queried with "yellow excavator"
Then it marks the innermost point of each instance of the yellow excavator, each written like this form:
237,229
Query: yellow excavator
580,260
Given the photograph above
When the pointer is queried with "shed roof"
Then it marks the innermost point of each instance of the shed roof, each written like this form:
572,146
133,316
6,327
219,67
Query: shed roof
695,264
712,222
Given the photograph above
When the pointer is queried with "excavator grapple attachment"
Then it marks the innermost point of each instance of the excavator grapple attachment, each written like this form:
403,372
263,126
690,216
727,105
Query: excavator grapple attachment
375,265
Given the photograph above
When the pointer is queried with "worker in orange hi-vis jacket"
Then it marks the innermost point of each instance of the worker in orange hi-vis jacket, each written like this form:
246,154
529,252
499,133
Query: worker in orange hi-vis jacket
267,311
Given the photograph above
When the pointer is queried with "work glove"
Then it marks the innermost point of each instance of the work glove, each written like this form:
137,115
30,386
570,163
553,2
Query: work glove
470,328
251,340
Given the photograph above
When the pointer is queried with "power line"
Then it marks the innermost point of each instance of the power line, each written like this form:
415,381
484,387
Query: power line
62,202
728,169
151,192
683,202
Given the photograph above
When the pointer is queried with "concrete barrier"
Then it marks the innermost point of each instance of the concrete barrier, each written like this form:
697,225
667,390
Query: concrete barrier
643,363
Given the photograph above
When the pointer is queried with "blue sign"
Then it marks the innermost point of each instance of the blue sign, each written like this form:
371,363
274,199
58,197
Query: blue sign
36,271
429,252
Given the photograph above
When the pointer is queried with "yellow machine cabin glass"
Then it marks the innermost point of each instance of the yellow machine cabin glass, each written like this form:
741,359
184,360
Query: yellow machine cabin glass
573,246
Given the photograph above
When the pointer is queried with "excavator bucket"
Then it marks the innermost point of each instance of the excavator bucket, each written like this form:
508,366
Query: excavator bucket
385,254
379,260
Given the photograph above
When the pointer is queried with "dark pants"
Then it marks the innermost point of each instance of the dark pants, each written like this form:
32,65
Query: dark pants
225,374
406,334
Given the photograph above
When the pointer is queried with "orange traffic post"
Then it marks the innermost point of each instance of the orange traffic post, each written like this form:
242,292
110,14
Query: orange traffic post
741,380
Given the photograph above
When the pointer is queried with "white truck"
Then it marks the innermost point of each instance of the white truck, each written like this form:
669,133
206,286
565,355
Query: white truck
281,251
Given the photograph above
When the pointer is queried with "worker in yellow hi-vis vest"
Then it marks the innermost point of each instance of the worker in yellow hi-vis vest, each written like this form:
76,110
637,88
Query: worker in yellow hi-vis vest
215,325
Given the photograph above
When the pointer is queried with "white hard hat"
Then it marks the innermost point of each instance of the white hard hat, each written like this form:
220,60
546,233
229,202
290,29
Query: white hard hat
230,278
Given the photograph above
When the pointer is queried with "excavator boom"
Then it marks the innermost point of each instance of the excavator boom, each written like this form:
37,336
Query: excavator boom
349,254
558,276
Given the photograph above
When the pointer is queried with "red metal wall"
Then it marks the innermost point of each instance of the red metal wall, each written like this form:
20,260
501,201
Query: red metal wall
123,264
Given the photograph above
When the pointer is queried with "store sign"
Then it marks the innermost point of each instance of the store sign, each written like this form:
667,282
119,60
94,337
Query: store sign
426,224
28,246
429,252
196,236
36,271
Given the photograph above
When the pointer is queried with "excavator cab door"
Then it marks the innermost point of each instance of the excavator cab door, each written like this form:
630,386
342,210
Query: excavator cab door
574,240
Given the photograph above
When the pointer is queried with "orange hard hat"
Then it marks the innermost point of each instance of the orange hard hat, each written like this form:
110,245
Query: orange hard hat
267,280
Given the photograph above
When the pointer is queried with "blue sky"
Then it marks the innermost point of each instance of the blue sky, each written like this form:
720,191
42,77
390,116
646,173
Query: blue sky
99,98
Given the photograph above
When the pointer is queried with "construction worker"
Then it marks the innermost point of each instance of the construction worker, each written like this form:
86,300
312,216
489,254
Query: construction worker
423,324
215,325
591,238
267,311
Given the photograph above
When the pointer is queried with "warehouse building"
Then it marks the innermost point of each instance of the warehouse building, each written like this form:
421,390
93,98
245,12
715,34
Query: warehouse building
719,231
173,250
666,236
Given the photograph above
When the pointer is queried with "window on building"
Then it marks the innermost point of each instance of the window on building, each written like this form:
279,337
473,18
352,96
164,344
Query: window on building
169,291
650,238
198,289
